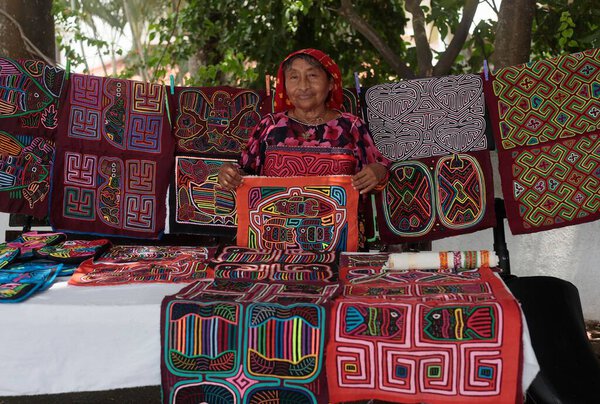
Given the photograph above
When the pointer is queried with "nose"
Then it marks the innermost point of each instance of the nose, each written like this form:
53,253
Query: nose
303,83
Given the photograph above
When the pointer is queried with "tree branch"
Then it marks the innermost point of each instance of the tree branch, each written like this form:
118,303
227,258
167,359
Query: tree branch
31,48
347,11
424,55
460,36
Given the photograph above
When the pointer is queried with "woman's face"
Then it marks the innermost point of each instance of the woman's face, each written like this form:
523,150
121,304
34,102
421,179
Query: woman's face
307,86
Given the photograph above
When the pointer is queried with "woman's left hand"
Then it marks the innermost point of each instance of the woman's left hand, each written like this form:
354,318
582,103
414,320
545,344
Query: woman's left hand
369,177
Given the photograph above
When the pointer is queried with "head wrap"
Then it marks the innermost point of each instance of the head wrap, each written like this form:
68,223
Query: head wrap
282,102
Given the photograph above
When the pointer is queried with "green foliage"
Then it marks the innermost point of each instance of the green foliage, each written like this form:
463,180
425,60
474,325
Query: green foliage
560,27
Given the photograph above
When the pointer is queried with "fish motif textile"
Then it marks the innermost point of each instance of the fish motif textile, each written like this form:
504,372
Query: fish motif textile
216,120
17,285
424,336
435,198
198,204
129,264
114,152
249,342
30,93
545,116
25,172
428,117
307,213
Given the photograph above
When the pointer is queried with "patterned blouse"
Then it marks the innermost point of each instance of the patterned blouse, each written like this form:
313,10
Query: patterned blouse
346,131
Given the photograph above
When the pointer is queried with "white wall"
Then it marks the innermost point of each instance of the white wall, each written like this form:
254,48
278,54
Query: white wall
569,253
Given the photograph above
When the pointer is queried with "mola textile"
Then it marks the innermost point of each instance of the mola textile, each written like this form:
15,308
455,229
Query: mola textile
19,284
114,148
216,120
545,116
437,197
32,240
424,336
427,117
443,261
30,92
72,251
165,264
308,213
198,204
252,342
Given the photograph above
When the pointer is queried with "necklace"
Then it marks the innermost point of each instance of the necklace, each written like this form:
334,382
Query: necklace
312,122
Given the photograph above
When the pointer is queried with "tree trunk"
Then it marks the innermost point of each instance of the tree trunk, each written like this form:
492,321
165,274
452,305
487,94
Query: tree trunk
513,35
27,26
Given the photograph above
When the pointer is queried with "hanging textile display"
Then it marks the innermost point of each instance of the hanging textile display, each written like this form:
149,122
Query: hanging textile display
545,116
430,336
350,102
216,120
198,204
438,197
72,251
427,117
308,213
30,92
19,284
298,161
251,342
114,149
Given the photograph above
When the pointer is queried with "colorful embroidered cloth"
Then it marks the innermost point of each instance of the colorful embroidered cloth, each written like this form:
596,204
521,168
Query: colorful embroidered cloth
427,117
25,172
272,266
135,253
545,116
32,240
7,254
19,284
30,92
282,161
308,213
216,120
246,342
198,204
424,336
437,197
72,251
114,149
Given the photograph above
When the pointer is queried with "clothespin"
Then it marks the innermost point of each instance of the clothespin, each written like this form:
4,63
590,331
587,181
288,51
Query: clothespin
68,69
486,70
268,84
172,81
357,83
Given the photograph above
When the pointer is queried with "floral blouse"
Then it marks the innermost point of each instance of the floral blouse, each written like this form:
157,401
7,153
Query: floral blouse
346,131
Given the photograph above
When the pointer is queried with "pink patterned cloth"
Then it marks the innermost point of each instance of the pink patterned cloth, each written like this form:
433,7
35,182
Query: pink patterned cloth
346,131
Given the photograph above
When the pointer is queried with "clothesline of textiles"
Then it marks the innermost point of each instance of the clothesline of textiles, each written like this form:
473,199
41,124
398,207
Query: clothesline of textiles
100,153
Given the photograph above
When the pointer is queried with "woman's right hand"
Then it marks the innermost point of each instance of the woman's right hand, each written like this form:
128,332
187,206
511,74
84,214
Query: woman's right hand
229,177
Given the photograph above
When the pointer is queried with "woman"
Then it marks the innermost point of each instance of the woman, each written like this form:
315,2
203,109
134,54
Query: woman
307,117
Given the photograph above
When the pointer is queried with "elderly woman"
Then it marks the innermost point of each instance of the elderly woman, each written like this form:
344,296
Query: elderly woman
307,117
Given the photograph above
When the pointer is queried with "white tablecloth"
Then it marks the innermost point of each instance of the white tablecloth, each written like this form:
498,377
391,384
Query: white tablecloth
73,338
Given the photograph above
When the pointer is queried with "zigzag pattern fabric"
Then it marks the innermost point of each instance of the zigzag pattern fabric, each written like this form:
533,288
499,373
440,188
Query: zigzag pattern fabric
545,116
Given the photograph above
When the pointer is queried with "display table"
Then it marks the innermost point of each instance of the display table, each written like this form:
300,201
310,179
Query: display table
70,339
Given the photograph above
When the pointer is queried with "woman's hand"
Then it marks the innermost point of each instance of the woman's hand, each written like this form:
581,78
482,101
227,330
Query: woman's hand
229,177
369,177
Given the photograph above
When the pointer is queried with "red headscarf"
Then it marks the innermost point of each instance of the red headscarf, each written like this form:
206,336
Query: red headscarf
282,102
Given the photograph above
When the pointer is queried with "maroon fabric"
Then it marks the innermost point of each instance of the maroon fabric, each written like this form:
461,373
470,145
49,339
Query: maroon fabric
438,197
114,152
308,161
